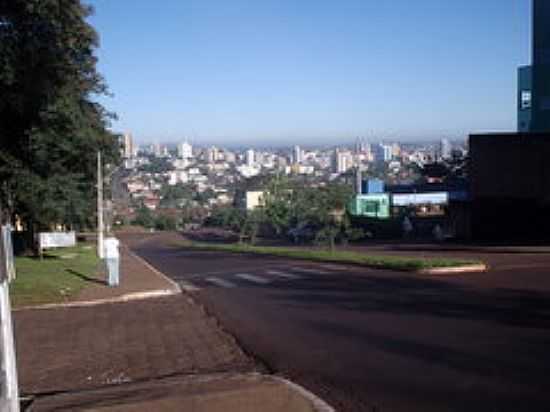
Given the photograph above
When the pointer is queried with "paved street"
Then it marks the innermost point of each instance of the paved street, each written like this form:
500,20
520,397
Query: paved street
378,340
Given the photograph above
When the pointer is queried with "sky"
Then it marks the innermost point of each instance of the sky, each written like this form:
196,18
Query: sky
278,72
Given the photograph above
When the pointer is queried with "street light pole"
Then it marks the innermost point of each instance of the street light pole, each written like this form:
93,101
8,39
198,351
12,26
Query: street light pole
100,228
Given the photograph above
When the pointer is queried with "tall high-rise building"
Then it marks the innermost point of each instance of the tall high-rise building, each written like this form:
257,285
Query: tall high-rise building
445,149
250,157
382,153
157,150
127,146
534,81
298,155
185,150
212,154
541,66
341,161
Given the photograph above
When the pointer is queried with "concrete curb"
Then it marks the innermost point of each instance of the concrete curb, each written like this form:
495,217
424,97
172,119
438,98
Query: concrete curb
174,284
129,297
318,404
457,270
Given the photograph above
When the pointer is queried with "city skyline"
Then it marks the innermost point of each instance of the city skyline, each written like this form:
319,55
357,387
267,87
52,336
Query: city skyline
311,72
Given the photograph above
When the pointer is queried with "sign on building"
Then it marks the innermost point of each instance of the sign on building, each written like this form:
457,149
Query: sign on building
413,199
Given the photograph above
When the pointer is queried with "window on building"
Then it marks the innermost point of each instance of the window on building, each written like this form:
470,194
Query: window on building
525,99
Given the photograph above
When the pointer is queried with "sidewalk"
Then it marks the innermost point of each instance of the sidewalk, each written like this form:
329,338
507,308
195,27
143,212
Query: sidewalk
158,354
138,280
213,393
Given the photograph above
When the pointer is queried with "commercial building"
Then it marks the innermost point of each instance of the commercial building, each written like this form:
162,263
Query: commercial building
510,186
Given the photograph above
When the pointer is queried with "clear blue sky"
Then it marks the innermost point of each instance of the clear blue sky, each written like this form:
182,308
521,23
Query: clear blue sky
285,71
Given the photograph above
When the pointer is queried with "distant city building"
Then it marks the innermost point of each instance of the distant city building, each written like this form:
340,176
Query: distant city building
229,157
396,150
185,150
298,154
358,146
341,161
157,150
445,149
250,161
382,153
127,146
211,154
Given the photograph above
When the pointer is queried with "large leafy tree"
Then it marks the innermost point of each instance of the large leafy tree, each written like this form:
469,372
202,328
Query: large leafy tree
50,125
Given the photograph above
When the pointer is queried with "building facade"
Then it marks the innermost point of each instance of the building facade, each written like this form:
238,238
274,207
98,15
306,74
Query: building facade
525,89
541,67
185,150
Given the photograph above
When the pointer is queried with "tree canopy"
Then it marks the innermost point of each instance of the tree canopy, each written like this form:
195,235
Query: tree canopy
51,126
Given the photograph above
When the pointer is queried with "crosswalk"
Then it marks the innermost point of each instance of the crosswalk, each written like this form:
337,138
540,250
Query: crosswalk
258,277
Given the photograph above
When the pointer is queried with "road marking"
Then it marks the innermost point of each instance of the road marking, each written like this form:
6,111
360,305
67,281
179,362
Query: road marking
252,278
283,274
188,286
312,271
220,282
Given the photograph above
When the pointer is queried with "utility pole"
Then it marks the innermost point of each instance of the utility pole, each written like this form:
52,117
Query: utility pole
358,180
100,228
9,388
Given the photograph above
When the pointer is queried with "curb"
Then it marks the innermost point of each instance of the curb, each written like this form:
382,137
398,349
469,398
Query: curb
318,404
457,270
176,287
129,297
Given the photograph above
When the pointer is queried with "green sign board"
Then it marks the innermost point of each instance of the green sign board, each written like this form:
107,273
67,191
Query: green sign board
375,205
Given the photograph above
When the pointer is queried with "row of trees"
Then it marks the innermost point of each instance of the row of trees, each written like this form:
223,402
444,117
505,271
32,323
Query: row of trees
294,210
51,125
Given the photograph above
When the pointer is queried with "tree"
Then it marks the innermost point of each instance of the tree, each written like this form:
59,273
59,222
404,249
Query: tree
144,218
50,125
164,222
277,204
251,226
156,165
230,218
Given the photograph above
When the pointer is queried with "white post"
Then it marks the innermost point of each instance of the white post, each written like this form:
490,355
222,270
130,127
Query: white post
9,396
100,230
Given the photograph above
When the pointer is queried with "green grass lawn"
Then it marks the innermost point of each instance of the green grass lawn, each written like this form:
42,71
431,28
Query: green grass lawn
58,277
357,258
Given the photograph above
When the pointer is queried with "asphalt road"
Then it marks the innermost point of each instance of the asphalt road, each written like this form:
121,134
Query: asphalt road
372,340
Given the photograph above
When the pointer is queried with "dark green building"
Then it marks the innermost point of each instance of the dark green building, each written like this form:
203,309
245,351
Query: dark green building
540,121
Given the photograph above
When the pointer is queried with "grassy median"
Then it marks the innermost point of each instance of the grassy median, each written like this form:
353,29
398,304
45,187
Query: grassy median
59,276
410,264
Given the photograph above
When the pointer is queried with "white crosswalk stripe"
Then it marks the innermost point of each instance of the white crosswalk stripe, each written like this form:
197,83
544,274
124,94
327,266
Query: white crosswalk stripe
220,282
283,274
188,286
252,278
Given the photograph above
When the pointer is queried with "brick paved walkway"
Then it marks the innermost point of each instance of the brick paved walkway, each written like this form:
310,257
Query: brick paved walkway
87,347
